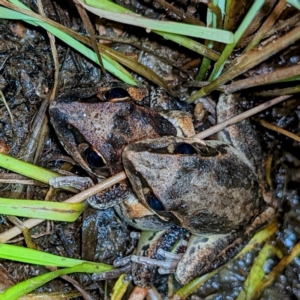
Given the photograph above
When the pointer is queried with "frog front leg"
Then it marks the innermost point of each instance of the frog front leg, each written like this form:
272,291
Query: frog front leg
146,271
102,200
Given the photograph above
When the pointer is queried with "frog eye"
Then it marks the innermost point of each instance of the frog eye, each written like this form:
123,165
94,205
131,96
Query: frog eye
184,148
116,93
154,203
93,158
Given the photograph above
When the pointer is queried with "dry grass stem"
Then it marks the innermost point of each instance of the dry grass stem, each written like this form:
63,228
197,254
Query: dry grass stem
278,129
214,129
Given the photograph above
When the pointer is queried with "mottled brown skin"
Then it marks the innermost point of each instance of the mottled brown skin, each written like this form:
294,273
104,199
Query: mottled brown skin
106,126
215,193
85,119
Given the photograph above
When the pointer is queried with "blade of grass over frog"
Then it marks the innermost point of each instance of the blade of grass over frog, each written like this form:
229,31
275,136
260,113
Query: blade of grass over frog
257,239
256,6
181,40
48,210
29,170
14,231
247,61
131,18
58,30
29,285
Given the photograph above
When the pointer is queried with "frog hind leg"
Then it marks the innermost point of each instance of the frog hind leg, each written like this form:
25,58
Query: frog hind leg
206,253
203,255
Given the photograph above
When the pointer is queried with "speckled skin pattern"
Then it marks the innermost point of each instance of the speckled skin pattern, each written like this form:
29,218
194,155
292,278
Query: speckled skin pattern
215,193
212,193
107,126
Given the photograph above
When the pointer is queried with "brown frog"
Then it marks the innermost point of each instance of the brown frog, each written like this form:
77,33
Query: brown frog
95,124
209,188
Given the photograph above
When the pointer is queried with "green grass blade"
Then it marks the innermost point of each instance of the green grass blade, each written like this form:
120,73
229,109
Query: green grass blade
29,170
32,256
30,285
120,288
179,39
102,9
256,6
257,272
190,44
165,26
26,169
211,20
38,209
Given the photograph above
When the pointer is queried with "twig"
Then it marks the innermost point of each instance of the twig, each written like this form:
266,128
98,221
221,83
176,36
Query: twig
186,17
214,129
247,61
278,129
279,92
88,25
259,80
268,24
